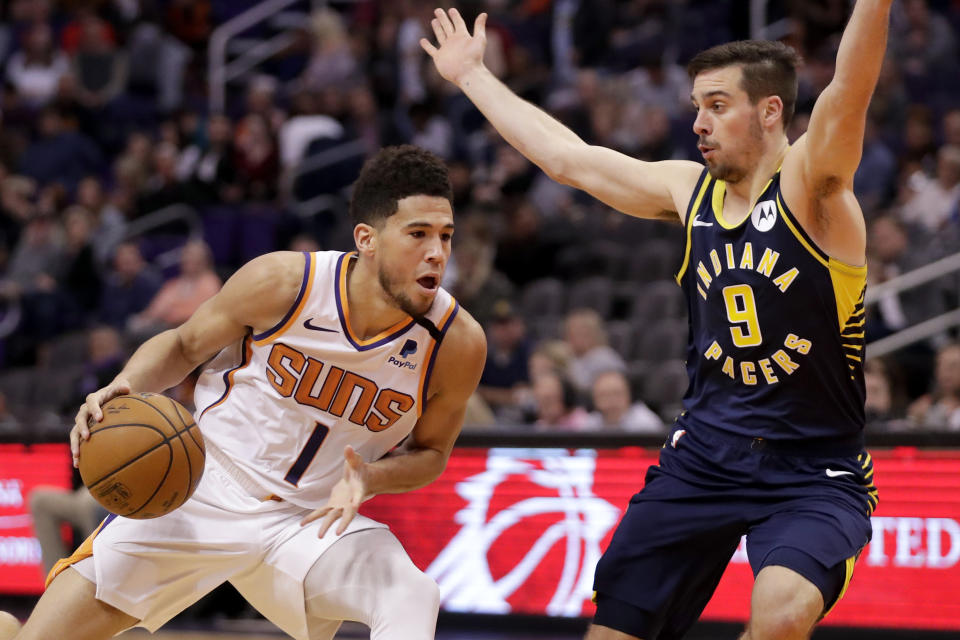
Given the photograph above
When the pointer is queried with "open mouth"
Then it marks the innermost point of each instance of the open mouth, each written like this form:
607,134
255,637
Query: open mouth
430,283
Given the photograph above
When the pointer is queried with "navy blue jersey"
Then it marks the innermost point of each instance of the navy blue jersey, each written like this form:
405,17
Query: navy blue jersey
776,326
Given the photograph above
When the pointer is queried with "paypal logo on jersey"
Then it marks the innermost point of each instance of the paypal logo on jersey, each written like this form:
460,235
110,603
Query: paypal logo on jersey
409,348
764,215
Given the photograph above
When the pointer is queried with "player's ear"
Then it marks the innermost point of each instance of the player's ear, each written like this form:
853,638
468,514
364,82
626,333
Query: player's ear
365,237
771,110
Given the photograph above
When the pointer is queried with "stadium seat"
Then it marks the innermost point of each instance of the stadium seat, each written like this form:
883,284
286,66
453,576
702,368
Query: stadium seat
592,293
543,297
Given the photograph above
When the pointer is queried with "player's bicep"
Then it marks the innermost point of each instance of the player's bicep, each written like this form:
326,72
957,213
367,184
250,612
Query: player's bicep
638,188
833,143
255,298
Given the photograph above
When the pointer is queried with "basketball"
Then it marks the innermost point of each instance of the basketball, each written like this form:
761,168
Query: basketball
145,458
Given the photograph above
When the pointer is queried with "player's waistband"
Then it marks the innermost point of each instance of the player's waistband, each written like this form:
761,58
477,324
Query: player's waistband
809,447
238,475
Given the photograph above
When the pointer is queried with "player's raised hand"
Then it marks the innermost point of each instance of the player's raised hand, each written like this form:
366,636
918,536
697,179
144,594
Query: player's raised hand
457,52
346,496
90,410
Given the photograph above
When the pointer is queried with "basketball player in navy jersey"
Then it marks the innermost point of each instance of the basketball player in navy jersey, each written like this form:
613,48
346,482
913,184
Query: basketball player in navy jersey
769,444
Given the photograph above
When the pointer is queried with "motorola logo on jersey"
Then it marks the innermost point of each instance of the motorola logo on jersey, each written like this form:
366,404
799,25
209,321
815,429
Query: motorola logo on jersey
332,390
764,215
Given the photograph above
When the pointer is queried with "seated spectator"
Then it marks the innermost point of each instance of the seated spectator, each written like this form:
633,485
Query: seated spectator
80,281
584,332
61,154
256,158
208,169
550,356
35,71
130,286
476,284
881,406
9,424
99,66
53,507
614,410
109,223
934,200
332,62
180,297
939,410
105,357
557,409
505,375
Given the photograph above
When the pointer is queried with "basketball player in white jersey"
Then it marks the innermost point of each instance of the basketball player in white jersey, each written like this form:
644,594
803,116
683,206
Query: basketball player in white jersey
321,364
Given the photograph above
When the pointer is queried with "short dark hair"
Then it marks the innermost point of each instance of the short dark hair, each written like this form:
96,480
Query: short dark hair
392,175
769,69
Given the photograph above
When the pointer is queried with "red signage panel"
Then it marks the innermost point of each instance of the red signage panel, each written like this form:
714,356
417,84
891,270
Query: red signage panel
22,469
520,531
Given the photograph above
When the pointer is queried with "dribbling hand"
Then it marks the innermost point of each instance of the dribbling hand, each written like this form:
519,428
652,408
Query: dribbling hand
346,496
458,51
90,410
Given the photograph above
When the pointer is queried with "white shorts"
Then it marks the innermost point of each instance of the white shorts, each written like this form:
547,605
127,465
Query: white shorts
154,569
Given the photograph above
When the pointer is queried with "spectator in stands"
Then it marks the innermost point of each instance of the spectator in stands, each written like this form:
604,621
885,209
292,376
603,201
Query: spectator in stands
332,63
37,259
99,66
884,411
181,296
61,154
129,287
256,158
9,424
875,179
35,72
557,408
614,411
161,187
505,376
53,507
583,331
923,41
550,357
208,168
109,224
951,127
105,357
934,199
477,285
939,410
80,280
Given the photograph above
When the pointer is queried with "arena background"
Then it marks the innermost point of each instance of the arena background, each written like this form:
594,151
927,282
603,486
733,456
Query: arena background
150,147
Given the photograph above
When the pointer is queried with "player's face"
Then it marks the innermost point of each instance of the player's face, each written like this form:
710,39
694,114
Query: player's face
413,248
728,125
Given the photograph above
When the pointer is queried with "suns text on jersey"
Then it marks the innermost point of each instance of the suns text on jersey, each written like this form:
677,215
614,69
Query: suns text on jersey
741,312
296,375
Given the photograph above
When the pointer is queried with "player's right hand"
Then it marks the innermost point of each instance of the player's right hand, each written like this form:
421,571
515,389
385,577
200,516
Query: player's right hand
90,411
457,51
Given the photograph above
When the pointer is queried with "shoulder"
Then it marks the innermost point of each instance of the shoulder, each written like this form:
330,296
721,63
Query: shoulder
265,288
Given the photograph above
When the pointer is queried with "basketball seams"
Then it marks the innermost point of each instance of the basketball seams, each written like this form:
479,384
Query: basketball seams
160,484
165,441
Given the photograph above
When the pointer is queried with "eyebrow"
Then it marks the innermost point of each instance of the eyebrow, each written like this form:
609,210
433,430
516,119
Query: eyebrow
417,223
710,94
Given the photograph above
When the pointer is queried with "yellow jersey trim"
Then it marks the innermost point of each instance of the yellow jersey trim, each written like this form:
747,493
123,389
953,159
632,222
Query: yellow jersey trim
691,214
720,192
848,575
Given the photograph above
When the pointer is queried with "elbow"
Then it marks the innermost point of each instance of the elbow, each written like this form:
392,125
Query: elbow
561,167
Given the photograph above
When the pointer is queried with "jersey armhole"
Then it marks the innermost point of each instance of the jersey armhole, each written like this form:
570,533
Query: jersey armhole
696,197
305,285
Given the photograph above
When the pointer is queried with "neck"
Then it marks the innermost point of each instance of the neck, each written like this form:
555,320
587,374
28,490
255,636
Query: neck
750,188
371,309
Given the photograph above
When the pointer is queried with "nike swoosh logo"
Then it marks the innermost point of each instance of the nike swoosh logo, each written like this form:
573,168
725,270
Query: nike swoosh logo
309,325
836,474
697,222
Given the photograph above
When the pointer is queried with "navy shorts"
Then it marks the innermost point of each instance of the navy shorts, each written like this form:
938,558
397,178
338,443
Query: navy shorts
809,513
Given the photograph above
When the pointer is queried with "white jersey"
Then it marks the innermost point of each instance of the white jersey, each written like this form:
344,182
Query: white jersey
280,406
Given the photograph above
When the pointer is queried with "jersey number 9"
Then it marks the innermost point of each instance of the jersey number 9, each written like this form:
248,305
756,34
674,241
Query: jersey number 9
742,313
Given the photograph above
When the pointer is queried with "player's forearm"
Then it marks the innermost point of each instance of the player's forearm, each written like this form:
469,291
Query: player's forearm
530,130
158,364
404,470
861,53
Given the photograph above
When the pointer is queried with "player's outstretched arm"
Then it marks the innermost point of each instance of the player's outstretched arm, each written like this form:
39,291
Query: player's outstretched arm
834,139
642,189
256,297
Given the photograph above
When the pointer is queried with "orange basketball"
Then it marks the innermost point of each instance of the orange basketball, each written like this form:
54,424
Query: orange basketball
145,458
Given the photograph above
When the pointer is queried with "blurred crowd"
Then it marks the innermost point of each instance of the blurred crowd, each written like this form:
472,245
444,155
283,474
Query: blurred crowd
127,197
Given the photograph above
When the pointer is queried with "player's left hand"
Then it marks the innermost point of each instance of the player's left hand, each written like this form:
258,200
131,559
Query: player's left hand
346,496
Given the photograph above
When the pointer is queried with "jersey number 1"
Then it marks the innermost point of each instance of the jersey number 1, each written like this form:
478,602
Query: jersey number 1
742,312
308,454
